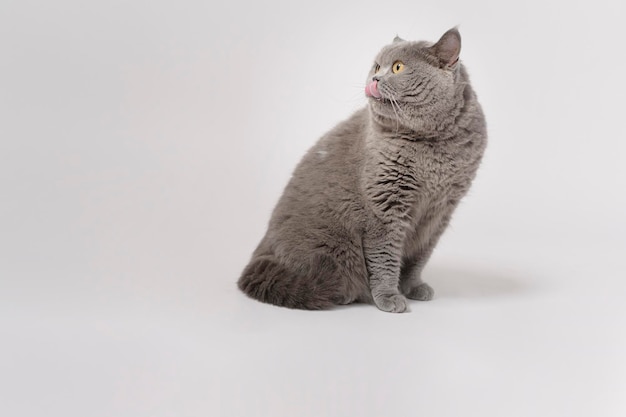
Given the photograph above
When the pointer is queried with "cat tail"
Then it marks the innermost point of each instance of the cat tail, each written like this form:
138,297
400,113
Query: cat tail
266,280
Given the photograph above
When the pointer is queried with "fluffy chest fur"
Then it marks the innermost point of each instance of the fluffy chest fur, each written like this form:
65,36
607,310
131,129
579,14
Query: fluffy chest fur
402,178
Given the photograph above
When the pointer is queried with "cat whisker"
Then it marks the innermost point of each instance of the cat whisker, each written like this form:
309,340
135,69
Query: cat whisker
395,105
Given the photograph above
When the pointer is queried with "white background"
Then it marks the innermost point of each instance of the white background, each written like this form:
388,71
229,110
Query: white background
143,145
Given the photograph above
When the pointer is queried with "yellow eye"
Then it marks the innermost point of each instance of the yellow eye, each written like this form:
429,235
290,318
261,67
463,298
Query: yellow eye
376,69
397,67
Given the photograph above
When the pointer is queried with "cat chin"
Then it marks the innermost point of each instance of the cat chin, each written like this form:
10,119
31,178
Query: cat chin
382,108
385,118
380,105
377,99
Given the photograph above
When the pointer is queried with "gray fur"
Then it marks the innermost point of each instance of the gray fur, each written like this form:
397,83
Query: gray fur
367,204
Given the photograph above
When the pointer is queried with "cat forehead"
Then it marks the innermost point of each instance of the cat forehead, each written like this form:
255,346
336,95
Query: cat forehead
403,50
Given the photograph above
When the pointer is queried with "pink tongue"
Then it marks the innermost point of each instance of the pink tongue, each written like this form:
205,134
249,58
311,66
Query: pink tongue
371,90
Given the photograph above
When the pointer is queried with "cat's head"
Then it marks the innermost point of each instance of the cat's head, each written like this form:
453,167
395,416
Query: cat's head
415,83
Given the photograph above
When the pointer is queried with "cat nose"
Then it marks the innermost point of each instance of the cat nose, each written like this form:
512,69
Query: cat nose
375,78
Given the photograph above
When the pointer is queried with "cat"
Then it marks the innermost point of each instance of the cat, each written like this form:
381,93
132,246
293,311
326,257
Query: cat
367,204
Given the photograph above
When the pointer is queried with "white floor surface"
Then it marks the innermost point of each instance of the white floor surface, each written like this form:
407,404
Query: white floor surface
542,334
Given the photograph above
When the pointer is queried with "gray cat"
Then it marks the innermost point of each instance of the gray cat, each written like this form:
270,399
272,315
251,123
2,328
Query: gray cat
367,204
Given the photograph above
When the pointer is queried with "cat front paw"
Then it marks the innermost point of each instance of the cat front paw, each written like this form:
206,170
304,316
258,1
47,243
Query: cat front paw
422,292
392,303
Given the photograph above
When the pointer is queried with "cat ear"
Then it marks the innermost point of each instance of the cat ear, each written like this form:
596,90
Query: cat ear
448,48
397,39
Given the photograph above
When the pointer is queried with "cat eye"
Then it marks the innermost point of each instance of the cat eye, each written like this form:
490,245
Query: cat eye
397,67
376,69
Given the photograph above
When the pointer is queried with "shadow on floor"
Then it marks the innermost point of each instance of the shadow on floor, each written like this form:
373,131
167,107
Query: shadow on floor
473,282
